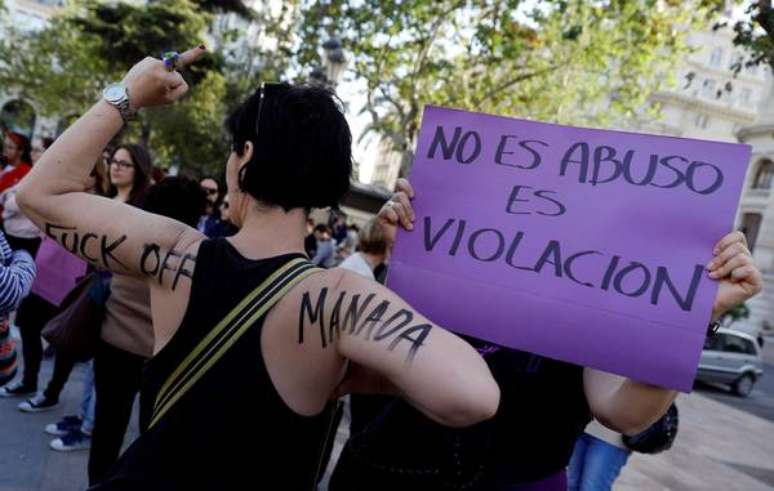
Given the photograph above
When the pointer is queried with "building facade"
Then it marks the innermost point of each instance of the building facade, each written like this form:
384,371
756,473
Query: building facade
16,113
712,102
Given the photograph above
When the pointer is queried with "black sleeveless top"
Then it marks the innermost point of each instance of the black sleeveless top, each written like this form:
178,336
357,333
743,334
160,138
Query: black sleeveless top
542,411
231,430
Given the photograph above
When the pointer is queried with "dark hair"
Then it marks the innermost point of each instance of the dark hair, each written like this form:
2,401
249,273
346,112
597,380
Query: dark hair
23,142
321,227
372,239
213,179
302,155
180,198
46,142
143,167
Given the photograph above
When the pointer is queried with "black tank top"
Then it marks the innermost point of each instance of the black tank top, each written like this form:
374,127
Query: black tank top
231,430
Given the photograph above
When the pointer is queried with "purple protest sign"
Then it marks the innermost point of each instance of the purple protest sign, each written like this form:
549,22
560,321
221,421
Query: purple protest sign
584,245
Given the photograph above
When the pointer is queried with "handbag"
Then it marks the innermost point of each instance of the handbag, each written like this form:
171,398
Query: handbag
657,438
75,330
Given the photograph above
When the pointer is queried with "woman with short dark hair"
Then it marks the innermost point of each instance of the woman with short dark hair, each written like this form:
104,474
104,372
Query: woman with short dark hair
251,342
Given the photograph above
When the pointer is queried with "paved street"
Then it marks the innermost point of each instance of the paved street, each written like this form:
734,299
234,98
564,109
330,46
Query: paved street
724,443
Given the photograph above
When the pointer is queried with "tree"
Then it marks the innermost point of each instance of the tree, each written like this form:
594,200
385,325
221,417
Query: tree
63,68
741,311
566,61
756,33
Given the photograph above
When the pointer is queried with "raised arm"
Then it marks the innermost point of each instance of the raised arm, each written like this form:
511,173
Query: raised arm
439,373
628,406
117,237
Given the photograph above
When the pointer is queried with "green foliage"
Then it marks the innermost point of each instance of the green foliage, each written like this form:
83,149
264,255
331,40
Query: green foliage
63,68
756,33
741,311
558,62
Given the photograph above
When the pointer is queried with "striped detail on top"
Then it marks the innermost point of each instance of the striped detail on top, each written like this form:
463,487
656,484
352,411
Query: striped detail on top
228,331
16,276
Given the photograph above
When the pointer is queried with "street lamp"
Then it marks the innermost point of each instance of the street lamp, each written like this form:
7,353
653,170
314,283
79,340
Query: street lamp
333,65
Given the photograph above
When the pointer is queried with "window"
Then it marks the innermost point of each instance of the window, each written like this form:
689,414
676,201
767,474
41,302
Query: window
716,57
745,96
712,343
702,121
764,175
708,88
751,225
737,344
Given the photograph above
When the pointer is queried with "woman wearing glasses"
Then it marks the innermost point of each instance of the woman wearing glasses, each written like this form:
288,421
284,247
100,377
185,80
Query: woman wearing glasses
130,170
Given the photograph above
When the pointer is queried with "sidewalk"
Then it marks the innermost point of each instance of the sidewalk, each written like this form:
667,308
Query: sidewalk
717,448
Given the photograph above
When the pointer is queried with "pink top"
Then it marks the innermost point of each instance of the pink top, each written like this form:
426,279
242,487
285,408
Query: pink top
58,271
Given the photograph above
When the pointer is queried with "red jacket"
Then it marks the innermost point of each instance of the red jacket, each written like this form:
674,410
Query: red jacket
13,176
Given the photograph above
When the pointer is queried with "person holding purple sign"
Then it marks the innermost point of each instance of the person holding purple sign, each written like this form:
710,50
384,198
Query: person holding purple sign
545,406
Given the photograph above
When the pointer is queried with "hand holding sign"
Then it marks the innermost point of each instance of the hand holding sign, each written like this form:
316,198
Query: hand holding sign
740,279
583,245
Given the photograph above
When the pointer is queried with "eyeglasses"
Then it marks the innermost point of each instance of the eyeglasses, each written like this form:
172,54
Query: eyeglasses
210,191
123,164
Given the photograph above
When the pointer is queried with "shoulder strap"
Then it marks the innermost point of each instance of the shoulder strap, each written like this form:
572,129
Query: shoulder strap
227,332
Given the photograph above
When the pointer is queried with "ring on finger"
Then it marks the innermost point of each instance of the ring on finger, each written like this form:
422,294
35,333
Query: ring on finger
170,59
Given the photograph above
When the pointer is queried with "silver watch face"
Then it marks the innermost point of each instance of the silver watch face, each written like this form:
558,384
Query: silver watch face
114,93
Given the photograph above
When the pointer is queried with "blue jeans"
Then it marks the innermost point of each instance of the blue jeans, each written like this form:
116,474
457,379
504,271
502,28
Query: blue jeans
595,464
88,401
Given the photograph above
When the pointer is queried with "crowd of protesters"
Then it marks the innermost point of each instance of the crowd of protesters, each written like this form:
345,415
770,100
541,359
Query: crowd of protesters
200,284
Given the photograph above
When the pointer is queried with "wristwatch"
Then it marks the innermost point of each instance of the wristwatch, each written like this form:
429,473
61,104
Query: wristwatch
712,329
117,95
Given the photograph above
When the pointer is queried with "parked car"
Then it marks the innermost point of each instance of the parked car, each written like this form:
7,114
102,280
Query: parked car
732,358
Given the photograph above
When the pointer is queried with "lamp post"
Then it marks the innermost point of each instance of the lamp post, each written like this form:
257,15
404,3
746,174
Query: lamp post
333,65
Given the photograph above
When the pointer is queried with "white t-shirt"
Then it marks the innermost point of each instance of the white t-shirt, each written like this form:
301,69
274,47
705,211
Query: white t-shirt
15,222
357,263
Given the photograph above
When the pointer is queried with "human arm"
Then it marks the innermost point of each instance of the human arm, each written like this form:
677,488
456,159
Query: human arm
16,276
628,406
378,332
104,232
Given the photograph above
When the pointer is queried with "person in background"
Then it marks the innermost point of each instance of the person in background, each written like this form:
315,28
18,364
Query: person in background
17,272
358,409
39,148
209,222
127,331
545,405
17,160
228,228
310,241
128,181
20,232
372,250
58,272
339,227
74,432
597,459
130,168
326,247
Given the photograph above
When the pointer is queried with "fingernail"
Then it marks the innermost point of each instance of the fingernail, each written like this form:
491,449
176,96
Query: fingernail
410,226
711,265
715,251
713,274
